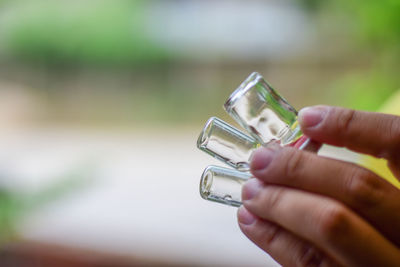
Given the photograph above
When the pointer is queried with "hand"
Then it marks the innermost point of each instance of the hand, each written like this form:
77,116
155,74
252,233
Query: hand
307,210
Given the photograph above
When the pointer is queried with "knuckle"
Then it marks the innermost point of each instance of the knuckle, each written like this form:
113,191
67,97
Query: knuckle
363,189
344,120
294,163
309,256
273,234
394,135
273,197
394,127
333,222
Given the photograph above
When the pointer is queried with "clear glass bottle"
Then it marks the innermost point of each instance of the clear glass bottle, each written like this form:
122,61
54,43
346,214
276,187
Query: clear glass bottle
259,109
267,117
223,185
226,143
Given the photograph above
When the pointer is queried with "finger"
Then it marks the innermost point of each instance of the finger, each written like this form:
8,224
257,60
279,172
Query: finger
329,225
394,166
367,132
358,188
277,242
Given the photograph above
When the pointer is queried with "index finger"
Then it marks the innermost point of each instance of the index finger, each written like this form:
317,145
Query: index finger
366,132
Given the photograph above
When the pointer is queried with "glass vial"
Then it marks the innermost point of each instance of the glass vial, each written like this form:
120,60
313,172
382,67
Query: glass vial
267,116
226,143
223,185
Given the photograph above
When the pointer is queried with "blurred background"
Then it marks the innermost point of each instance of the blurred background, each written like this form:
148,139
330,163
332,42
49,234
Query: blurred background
101,103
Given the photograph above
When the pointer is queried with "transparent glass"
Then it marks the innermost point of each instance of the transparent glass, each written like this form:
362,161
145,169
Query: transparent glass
259,109
226,143
223,185
267,117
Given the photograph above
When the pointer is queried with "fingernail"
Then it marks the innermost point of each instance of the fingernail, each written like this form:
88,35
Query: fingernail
261,158
251,188
245,217
311,116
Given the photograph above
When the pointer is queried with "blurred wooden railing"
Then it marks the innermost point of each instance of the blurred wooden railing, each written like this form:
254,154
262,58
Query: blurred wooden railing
31,254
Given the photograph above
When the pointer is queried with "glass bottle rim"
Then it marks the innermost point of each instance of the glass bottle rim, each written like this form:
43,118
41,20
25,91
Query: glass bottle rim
243,88
206,182
205,132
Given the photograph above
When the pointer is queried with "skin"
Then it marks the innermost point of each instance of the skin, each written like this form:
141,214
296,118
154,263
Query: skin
308,210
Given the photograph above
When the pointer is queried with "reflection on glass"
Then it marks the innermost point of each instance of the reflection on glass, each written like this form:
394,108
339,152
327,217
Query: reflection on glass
227,143
223,185
258,108
267,117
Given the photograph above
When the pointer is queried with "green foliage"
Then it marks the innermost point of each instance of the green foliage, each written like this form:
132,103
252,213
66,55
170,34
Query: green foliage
311,4
364,91
10,208
15,205
70,32
377,22
374,28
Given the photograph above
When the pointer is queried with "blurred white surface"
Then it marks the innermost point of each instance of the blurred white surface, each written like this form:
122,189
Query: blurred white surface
241,30
143,199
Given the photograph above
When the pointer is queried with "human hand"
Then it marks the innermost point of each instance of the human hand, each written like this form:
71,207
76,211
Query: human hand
307,210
